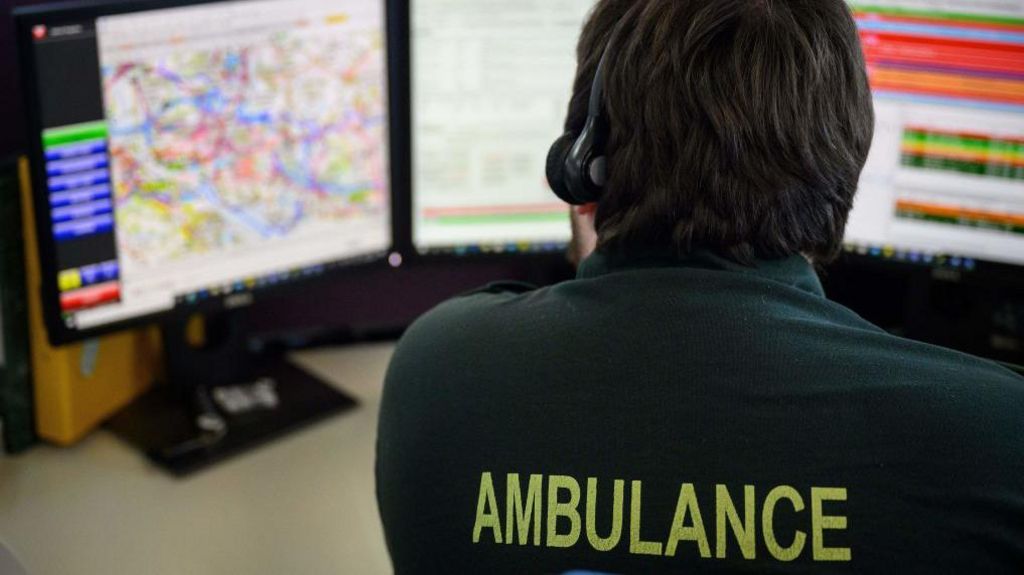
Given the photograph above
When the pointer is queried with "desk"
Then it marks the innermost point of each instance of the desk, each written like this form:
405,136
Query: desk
304,504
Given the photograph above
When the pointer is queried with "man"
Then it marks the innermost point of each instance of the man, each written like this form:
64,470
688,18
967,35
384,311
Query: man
692,402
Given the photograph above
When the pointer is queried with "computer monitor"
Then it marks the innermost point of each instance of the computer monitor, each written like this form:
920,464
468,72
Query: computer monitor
188,155
491,82
944,185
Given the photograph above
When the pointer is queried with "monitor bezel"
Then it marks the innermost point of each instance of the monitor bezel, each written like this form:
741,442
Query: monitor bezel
402,26
989,272
58,332
986,273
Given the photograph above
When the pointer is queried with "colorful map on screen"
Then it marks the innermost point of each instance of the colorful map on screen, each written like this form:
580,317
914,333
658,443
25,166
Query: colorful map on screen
250,133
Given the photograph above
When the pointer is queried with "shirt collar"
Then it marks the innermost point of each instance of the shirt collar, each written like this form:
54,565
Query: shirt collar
794,271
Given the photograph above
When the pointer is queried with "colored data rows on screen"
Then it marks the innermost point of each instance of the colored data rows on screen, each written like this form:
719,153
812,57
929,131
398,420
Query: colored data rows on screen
487,215
78,180
81,205
960,216
90,297
967,153
89,286
489,219
944,57
85,276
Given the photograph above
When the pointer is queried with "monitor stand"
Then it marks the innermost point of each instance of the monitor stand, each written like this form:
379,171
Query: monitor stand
220,398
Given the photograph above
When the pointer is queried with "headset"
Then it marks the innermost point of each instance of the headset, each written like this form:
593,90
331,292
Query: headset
577,166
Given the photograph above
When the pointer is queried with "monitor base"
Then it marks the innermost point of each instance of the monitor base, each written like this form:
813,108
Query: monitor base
221,397
183,436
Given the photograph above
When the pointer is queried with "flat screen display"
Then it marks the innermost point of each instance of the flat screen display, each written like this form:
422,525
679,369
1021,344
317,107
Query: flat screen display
207,150
945,179
491,82
944,183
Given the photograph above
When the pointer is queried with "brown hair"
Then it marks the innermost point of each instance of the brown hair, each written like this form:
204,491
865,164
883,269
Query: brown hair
736,125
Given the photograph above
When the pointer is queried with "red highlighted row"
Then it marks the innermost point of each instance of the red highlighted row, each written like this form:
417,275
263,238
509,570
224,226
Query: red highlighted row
944,52
91,296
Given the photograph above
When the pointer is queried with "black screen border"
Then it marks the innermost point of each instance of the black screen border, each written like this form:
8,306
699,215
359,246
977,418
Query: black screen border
986,272
59,334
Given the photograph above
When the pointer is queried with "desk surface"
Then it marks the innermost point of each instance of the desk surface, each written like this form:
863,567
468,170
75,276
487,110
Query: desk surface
304,504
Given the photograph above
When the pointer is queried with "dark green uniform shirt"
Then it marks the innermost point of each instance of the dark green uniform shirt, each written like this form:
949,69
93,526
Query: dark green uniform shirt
658,415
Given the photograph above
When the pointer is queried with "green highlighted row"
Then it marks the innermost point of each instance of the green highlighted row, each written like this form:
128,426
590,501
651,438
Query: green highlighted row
962,222
74,134
964,142
502,219
938,14
994,170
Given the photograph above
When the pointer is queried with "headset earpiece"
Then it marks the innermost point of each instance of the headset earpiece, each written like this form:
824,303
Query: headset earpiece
555,169
577,169
586,166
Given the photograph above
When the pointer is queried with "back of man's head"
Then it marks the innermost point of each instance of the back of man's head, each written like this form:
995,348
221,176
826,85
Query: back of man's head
736,125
